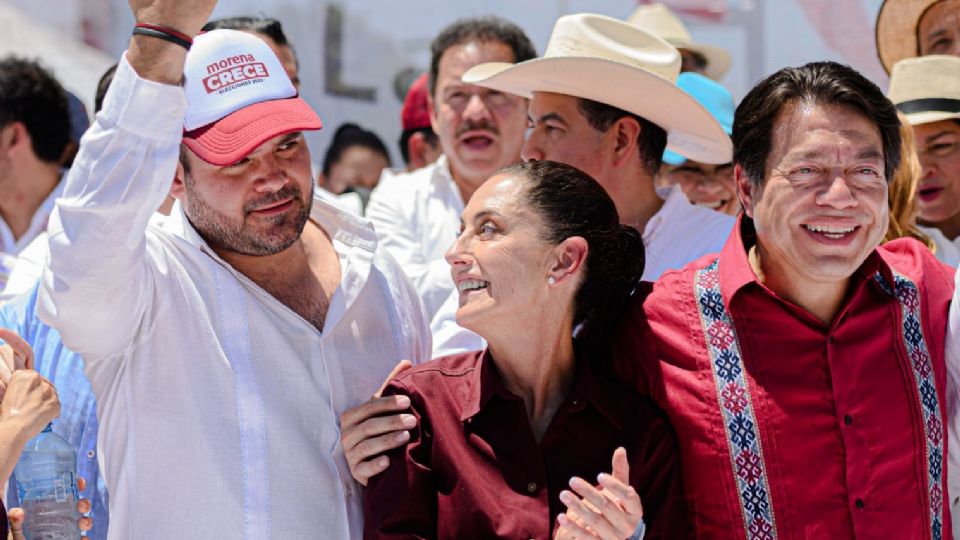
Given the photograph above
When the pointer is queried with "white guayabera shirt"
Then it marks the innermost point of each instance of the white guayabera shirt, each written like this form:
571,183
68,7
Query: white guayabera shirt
417,217
218,406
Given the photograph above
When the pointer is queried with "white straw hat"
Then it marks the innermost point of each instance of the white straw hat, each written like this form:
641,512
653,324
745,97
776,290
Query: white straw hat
615,63
896,31
660,21
926,89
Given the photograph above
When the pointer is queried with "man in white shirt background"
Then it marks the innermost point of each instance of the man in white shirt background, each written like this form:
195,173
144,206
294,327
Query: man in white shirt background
417,214
222,346
34,139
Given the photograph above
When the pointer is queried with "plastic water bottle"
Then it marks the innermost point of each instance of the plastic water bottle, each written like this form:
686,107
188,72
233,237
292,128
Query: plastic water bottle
47,484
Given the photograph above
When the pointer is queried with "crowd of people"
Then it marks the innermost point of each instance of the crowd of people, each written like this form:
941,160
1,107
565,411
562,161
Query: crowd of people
600,300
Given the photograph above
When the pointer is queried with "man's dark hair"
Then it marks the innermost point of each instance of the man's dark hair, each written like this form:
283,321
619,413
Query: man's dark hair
347,136
570,203
817,83
261,25
651,142
31,95
102,87
428,135
482,29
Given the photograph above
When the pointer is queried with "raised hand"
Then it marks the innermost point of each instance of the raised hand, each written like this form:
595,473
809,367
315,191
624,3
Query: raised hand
14,354
30,403
187,16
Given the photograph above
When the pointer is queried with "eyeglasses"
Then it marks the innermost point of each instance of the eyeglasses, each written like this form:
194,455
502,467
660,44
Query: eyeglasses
703,173
459,98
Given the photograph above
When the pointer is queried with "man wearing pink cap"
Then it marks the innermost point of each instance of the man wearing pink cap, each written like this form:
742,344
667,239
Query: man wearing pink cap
222,344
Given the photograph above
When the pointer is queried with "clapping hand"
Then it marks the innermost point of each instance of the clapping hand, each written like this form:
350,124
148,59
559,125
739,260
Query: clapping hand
610,511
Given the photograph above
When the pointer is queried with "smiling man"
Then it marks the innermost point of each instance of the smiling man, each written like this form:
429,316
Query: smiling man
221,344
417,214
803,367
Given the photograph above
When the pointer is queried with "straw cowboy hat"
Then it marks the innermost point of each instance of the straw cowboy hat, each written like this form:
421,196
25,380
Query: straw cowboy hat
660,21
612,62
926,89
897,30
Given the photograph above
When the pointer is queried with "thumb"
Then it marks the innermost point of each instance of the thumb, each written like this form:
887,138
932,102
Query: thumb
401,366
621,467
16,517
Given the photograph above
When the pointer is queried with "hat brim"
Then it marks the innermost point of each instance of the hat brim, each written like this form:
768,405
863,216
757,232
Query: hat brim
929,117
896,31
234,136
718,60
691,130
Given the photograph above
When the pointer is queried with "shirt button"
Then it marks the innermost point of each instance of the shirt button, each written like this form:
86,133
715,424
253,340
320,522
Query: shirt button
90,454
831,340
859,504
532,487
848,420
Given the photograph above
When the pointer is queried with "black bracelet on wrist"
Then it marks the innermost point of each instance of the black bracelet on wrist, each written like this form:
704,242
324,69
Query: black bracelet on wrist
157,32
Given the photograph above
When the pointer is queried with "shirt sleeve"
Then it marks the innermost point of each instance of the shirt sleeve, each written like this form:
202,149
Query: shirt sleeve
953,404
401,502
396,230
97,283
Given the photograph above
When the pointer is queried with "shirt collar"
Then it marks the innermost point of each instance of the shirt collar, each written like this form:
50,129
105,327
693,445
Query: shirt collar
587,388
443,178
353,239
736,271
38,223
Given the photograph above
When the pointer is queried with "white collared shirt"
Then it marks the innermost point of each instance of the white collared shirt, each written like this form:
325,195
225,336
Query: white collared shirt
678,234
417,218
150,310
10,247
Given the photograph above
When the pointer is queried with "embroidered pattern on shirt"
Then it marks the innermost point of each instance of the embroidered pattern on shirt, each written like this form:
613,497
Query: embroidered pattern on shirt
918,353
733,394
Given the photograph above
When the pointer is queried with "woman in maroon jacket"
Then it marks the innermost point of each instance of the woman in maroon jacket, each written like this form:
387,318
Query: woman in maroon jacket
502,434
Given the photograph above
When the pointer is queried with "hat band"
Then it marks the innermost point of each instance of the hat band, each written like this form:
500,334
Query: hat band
930,104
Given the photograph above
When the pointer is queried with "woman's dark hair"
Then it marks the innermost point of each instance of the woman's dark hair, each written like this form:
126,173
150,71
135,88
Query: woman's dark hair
347,136
570,203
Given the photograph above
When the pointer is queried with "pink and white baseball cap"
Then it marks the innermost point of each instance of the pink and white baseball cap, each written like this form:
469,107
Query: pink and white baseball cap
238,97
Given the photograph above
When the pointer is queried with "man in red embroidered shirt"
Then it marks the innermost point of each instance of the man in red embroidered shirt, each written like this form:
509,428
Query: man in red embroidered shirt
803,367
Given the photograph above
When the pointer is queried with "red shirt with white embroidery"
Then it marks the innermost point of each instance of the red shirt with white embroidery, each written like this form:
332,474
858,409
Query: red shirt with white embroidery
838,407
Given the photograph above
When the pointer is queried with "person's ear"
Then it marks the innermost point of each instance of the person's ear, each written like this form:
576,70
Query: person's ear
432,108
13,137
626,132
416,146
568,258
747,191
178,190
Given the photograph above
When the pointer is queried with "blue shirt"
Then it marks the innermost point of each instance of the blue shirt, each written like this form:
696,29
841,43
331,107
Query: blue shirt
78,409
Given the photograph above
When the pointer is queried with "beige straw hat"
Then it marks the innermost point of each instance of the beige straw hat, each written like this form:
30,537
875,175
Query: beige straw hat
926,89
612,62
897,30
660,21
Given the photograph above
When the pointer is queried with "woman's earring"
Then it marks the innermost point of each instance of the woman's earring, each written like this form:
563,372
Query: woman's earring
551,280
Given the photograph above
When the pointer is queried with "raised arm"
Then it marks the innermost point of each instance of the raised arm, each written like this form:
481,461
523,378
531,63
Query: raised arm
97,283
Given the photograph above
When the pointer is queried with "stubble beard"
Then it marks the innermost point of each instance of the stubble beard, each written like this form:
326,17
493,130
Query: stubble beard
266,237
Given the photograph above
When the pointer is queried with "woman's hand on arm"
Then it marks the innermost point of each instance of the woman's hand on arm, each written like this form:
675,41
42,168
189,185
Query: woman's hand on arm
371,429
